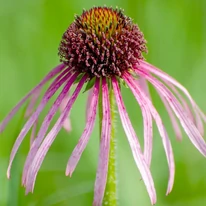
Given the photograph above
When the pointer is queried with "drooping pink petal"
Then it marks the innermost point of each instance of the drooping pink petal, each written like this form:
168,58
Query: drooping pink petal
134,144
177,130
45,125
67,122
174,122
33,132
186,122
38,159
199,124
88,106
165,76
182,100
102,170
143,100
148,131
60,77
78,150
49,76
49,93
32,103
144,86
197,120
147,121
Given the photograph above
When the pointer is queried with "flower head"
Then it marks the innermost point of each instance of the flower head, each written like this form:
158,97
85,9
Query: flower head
102,42
103,48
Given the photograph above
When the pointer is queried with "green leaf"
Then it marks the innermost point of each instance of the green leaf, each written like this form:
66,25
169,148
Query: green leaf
90,84
78,78
122,83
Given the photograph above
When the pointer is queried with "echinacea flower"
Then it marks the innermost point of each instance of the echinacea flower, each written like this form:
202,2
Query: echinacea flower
103,49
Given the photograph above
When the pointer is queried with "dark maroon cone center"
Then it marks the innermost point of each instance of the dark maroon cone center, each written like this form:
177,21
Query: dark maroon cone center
102,42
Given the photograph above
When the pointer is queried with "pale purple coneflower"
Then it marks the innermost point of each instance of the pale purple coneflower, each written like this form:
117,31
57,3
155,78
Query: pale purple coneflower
103,48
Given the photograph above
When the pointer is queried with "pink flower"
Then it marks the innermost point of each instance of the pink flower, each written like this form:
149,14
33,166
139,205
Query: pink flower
102,52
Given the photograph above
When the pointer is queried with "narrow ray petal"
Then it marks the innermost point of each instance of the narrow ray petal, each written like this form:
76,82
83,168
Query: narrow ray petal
67,122
134,144
88,106
165,76
197,120
182,100
78,150
186,122
143,100
101,177
49,76
144,86
174,122
33,132
45,125
148,131
31,106
38,159
32,119
59,78
147,121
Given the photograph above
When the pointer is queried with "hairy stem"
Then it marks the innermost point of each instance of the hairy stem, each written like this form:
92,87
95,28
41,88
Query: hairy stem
110,195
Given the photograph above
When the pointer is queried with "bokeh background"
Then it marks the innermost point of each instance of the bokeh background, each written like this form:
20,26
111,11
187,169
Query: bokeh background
30,32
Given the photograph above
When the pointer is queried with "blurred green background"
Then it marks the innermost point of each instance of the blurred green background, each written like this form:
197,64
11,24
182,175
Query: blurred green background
30,32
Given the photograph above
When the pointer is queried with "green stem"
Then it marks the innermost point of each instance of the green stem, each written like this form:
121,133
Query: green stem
110,194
